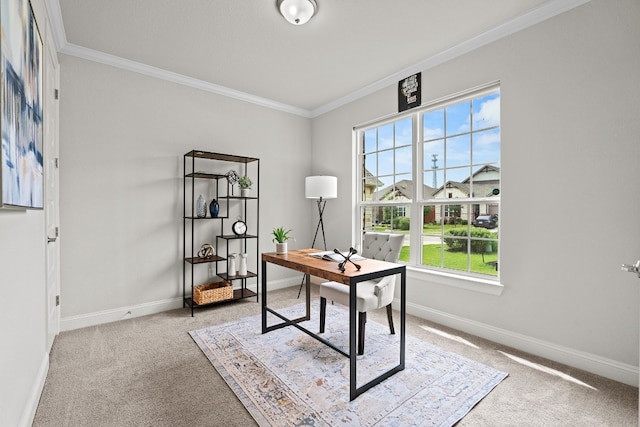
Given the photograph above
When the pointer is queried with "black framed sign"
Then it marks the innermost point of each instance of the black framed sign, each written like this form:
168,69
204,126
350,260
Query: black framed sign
409,92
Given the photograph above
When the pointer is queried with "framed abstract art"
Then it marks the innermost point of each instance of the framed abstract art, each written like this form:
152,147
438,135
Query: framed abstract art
22,160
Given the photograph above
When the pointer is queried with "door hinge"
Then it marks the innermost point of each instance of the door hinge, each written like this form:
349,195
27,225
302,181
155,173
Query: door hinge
57,163
56,94
57,300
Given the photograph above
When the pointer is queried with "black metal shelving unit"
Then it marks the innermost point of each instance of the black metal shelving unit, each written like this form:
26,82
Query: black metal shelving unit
244,207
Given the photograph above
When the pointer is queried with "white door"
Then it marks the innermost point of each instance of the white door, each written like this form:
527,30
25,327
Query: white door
51,83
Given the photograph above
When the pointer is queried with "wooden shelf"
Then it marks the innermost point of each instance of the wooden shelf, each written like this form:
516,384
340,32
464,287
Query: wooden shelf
238,294
200,260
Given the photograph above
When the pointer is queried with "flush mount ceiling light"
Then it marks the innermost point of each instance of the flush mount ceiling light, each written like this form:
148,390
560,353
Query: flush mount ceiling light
297,12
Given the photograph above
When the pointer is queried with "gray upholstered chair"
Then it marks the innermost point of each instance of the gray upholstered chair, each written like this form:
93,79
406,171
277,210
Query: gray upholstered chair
371,294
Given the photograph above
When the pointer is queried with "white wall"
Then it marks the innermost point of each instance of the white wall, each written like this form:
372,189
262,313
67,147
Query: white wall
23,321
122,140
570,210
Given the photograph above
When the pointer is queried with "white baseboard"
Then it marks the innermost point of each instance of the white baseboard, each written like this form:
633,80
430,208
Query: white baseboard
121,313
29,411
106,316
608,368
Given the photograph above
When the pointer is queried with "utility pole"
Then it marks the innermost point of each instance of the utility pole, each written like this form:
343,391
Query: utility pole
434,160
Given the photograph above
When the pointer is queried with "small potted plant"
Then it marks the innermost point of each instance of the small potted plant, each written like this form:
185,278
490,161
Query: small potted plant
245,185
280,237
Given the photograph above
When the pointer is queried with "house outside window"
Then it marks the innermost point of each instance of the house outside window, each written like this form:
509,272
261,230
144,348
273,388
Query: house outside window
434,175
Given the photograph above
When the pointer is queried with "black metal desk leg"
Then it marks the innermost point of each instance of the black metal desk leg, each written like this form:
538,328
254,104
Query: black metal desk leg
352,341
308,300
264,297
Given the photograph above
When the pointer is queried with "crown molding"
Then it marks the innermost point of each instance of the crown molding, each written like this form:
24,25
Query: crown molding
529,19
535,16
148,70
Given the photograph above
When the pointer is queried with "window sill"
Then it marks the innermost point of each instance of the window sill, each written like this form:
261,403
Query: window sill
475,284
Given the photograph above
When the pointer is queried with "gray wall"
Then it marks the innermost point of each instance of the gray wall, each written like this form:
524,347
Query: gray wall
569,218
123,137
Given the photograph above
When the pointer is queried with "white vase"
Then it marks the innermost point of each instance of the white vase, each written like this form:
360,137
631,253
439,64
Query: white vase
281,248
244,192
232,265
201,207
242,268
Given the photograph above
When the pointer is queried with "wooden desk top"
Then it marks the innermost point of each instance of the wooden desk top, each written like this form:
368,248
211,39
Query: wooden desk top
301,261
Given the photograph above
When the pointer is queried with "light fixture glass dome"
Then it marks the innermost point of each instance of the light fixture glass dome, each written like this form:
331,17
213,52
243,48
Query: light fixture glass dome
297,12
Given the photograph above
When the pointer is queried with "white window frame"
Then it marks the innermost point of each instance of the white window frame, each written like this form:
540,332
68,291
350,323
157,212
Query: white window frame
464,280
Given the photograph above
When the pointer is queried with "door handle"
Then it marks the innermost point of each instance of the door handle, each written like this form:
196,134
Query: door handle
51,239
635,268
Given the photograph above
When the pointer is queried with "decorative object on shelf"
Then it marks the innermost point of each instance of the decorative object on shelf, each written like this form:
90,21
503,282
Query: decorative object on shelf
239,227
233,178
242,268
201,207
206,251
214,208
347,258
245,185
297,12
232,265
280,237
320,187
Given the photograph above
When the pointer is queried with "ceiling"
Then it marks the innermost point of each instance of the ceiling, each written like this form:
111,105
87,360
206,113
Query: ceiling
245,49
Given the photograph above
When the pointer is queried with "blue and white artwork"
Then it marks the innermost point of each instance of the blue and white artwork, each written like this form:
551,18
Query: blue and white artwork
21,108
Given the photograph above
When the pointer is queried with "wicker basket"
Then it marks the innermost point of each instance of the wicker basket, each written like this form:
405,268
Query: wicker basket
212,292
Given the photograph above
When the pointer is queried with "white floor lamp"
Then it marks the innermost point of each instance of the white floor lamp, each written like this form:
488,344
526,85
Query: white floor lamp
321,188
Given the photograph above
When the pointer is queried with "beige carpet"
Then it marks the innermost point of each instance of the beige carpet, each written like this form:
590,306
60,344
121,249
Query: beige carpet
148,371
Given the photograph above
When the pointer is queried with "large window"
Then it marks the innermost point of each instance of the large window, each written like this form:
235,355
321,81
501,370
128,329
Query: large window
434,175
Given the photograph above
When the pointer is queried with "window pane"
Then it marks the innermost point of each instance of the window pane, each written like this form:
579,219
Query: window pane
432,179
404,162
486,111
385,137
370,217
486,146
404,133
371,164
370,141
431,251
457,118
458,151
484,257
385,162
433,125
456,259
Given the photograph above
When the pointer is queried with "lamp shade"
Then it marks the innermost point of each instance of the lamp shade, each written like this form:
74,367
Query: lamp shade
297,12
317,187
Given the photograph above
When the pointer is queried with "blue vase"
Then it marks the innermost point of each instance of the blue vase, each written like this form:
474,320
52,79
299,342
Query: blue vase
214,208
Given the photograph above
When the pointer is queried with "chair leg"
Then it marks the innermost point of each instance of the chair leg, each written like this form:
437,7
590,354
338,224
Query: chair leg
362,319
323,313
390,318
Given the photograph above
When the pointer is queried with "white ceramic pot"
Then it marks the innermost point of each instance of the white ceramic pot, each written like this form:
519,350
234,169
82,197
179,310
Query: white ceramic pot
281,248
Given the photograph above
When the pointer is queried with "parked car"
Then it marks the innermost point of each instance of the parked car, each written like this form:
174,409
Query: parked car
486,221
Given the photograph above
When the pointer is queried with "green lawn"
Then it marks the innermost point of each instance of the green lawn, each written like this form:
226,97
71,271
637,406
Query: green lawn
454,260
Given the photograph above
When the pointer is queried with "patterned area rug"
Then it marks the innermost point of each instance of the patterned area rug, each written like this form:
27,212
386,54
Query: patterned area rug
287,378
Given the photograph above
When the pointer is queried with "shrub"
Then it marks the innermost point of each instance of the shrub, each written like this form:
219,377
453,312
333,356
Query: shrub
455,243
401,223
